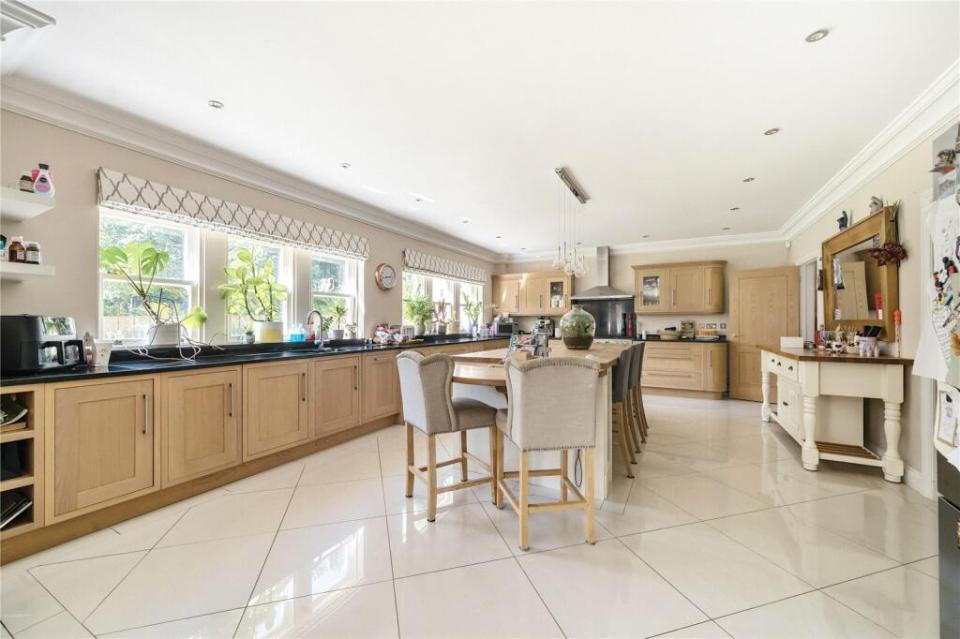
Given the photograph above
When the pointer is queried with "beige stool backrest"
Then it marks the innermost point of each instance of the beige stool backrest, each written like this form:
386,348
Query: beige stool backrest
425,388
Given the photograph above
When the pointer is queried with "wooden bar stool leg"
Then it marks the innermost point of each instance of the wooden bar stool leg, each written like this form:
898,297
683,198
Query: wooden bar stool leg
635,420
432,478
524,501
410,462
463,455
563,475
628,426
494,472
588,495
644,425
499,472
624,447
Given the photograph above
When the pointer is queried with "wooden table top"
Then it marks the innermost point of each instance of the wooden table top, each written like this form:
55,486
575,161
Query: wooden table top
802,355
480,375
605,355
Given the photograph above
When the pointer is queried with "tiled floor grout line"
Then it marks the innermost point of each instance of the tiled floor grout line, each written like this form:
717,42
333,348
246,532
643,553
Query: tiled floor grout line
516,559
386,524
266,556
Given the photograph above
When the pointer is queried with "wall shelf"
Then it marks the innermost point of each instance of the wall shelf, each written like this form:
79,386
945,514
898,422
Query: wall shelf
19,272
19,205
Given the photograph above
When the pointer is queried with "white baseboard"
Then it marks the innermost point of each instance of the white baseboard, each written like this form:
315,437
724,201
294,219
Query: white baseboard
926,486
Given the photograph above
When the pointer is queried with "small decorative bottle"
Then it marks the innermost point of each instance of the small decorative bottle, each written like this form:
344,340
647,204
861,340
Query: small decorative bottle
43,184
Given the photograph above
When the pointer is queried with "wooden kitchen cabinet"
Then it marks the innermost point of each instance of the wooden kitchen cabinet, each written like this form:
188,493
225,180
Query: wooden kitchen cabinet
102,445
381,385
506,293
532,294
275,407
688,287
335,394
688,367
201,417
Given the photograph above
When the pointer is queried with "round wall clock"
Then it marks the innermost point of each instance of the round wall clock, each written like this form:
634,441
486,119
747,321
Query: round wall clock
386,276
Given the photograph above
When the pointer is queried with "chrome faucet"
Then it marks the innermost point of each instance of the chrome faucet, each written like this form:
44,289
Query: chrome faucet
307,322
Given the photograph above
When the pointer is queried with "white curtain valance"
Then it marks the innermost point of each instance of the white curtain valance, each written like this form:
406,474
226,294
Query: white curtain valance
124,192
442,267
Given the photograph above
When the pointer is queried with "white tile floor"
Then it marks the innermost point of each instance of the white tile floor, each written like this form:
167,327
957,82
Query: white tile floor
722,533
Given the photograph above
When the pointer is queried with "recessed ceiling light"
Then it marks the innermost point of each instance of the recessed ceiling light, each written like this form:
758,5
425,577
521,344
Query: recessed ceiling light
216,104
418,199
464,220
734,208
523,248
644,236
345,165
772,131
499,237
817,35
726,228
749,179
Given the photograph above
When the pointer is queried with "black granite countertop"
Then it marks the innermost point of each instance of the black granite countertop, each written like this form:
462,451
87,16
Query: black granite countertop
126,362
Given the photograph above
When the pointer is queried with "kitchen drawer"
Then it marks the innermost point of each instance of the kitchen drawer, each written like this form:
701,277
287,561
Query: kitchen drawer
671,349
678,363
666,379
783,366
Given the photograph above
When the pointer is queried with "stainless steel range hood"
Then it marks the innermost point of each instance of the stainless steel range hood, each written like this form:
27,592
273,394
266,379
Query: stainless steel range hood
603,290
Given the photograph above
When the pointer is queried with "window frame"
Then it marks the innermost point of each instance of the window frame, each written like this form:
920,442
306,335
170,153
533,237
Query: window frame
351,267
286,275
192,254
458,286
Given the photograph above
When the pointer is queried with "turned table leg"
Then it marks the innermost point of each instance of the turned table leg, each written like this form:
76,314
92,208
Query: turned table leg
892,463
810,453
765,390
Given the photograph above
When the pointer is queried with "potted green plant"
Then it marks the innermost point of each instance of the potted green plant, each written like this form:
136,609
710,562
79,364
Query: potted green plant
140,263
253,290
473,311
577,328
419,310
339,314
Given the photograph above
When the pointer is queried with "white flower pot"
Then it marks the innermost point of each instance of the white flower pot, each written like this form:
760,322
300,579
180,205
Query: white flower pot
163,335
266,332
337,333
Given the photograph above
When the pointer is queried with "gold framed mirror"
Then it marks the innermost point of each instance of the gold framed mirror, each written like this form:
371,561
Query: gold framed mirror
853,280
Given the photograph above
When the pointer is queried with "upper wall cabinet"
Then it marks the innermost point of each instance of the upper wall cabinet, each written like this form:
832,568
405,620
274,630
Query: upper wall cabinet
540,293
686,287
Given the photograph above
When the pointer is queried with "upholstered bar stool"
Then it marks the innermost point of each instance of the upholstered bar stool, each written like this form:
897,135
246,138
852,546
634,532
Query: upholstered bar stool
621,416
638,418
425,389
551,405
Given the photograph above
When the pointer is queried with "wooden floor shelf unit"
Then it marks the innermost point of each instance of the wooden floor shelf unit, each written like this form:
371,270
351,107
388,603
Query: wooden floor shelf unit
30,439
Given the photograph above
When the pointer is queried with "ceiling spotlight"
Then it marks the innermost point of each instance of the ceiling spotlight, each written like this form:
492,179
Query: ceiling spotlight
499,237
216,104
418,199
772,131
817,35
726,228
345,165
749,179
464,220
644,236
734,208
523,248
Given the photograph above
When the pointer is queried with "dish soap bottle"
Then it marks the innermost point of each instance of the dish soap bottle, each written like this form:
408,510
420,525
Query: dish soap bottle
43,184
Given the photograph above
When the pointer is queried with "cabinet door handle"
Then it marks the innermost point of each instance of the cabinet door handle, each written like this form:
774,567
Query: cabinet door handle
785,404
709,359
230,410
356,377
146,415
673,297
303,387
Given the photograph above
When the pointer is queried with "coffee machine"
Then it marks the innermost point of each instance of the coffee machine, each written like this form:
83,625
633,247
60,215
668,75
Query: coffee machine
542,332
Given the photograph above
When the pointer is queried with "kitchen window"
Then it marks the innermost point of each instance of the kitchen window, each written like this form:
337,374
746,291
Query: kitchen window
176,288
280,259
441,289
333,282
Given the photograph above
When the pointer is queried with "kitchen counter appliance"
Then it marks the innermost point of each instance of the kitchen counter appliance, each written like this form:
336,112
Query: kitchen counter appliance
30,343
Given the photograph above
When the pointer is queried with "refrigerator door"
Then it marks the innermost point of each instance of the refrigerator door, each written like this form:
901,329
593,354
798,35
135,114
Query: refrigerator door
949,569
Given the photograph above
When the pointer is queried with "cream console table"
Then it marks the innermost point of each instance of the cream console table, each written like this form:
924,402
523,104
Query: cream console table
820,404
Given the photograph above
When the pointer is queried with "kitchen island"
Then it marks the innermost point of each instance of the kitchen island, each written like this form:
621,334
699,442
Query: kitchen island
481,375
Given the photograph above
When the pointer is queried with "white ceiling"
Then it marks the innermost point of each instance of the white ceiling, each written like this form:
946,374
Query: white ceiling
658,108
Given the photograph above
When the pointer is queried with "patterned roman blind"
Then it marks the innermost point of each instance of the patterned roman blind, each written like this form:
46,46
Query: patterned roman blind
433,265
124,192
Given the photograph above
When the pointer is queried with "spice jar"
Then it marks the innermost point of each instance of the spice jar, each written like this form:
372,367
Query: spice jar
18,252
26,182
33,252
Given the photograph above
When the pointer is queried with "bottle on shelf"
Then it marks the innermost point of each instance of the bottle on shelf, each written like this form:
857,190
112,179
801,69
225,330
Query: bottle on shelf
17,251
43,183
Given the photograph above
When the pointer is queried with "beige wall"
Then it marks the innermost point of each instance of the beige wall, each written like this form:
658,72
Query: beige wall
907,180
68,234
738,258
